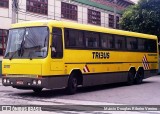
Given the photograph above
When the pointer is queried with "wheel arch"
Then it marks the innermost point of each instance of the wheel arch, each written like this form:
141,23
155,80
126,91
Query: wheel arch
78,74
140,69
132,69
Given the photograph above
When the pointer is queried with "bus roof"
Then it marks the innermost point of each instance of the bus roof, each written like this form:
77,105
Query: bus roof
74,25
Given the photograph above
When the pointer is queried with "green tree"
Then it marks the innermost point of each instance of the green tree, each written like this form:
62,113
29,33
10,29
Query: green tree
143,17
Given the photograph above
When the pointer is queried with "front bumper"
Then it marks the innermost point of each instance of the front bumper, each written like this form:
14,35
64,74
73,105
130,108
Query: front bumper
24,82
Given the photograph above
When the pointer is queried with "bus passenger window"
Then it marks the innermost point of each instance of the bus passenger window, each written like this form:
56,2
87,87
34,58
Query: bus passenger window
120,42
104,43
141,44
107,41
132,43
152,45
92,39
57,46
111,44
73,38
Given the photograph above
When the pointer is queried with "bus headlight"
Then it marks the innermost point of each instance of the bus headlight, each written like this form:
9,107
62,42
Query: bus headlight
8,81
34,82
39,82
4,80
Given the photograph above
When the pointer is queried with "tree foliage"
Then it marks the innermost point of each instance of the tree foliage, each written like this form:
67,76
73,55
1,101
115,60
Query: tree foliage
143,17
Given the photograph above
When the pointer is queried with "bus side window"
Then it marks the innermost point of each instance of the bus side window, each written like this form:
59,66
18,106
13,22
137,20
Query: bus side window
120,42
57,45
73,38
141,44
152,45
92,39
132,43
111,42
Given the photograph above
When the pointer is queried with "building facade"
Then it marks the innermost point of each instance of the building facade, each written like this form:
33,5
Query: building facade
104,13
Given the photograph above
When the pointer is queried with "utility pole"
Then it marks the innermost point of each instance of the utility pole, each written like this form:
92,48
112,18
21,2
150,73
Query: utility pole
115,13
14,11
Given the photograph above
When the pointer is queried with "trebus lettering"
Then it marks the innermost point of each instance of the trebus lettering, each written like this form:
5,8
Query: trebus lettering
101,55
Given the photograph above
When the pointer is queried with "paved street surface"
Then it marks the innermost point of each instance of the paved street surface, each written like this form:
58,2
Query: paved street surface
147,93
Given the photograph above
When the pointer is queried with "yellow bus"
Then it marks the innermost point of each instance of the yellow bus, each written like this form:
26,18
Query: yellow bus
56,54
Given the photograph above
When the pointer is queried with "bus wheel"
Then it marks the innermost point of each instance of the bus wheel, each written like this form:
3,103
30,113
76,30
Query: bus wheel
139,77
131,77
72,85
37,90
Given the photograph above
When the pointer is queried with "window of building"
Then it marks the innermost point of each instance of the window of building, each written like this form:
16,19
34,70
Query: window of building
117,22
69,11
94,17
38,6
3,41
4,3
111,21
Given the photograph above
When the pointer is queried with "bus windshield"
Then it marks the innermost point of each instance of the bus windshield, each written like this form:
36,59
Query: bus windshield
31,42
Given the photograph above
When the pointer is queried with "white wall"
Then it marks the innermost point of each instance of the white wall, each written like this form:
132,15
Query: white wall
57,10
4,12
80,14
5,17
51,9
5,23
54,12
85,16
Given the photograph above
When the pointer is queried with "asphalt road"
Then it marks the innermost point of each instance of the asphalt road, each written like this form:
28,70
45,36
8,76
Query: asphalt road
147,93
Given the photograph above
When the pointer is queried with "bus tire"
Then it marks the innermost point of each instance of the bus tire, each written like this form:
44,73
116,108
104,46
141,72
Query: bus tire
139,77
131,77
72,85
37,90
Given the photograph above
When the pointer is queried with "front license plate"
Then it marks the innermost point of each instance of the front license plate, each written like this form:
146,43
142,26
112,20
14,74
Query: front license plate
19,82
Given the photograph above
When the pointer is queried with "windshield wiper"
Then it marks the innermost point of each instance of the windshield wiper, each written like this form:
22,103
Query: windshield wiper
22,43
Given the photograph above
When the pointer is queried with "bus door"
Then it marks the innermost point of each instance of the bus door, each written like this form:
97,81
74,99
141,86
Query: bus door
57,64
